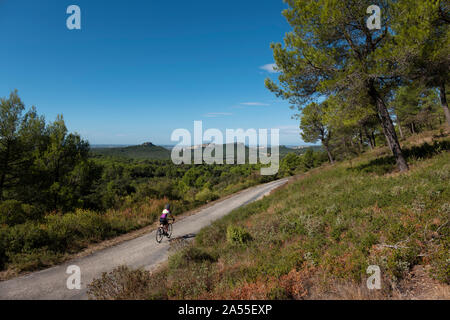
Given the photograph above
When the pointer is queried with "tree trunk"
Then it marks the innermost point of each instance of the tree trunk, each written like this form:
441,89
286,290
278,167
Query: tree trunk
327,148
344,144
400,128
388,142
373,140
369,137
400,131
388,129
361,141
444,103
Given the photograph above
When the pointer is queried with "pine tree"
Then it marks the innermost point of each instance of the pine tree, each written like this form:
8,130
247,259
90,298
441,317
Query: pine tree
314,126
422,44
331,51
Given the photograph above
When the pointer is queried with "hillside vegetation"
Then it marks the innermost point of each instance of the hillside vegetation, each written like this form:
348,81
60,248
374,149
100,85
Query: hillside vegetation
316,237
144,151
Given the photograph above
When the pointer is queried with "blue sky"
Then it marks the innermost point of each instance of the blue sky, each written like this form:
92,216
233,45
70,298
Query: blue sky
139,69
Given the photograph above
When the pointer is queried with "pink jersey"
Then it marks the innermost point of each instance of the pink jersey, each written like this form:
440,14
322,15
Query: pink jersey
164,214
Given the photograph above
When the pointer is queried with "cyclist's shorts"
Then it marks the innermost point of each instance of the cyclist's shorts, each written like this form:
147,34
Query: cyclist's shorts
163,221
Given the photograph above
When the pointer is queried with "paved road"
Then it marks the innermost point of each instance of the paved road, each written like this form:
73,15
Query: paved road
50,284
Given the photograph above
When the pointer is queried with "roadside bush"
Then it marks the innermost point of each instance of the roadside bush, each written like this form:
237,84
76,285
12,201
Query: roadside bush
3,245
14,212
25,246
26,237
197,255
237,235
35,259
190,255
125,284
206,195
73,231
213,235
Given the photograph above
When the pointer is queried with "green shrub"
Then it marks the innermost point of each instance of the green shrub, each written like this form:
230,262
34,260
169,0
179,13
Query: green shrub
237,235
400,262
206,195
198,255
278,293
14,212
212,235
73,230
290,165
3,247
441,262
27,237
190,255
35,259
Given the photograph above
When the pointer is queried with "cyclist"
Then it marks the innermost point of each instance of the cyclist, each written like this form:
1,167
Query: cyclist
164,218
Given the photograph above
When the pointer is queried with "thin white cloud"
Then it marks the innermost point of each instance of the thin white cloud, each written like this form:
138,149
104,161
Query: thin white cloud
258,104
217,114
271,68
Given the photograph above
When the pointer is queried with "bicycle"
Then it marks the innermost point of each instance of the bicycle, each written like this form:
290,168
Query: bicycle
160,232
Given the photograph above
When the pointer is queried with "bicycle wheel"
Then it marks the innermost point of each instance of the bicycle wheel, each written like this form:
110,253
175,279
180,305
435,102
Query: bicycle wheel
159,235
169,230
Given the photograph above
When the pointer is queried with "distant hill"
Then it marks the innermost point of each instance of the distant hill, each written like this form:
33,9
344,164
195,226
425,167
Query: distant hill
297,150
149,151
144,151
283,150
104,146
